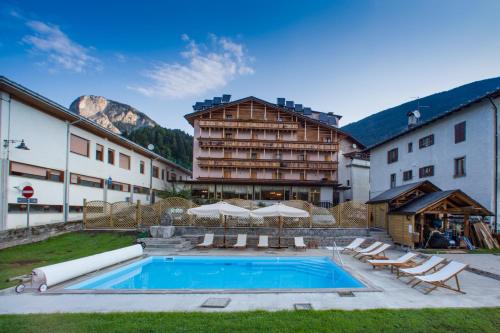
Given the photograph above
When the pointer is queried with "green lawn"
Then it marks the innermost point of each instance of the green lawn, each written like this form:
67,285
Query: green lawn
407,321
22,259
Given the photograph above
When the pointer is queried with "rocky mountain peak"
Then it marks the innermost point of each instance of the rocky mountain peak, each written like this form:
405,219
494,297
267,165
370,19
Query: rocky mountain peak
115,116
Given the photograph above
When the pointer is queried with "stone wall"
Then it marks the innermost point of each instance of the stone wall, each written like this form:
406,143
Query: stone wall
13,237
322,236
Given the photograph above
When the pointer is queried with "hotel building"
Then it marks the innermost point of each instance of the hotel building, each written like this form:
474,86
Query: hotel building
256,150
70,158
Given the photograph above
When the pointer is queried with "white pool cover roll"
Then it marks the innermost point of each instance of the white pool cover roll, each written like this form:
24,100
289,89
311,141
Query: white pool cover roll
57,273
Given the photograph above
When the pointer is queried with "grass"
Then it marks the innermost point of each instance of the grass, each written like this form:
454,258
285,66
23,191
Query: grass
426,320
19,260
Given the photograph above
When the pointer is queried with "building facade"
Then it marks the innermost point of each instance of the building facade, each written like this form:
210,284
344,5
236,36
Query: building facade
69,159
256,150
457,150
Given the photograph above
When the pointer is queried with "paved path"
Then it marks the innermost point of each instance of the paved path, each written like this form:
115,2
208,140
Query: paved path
481,292
486,262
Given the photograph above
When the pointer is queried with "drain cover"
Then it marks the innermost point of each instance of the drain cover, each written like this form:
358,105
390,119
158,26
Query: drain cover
303,306
346,294
216,303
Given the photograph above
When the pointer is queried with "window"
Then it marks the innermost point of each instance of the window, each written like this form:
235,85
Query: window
79,145
141,167
229,116
21,208
410,147
253,156
426,141
31,171
427,171
392,155
393,180
124,161
99,152
86,181
459,167
76,209
460,132
302,157
111,156
173,177
141,190
407,175
156,172
117,186
163,174
228,135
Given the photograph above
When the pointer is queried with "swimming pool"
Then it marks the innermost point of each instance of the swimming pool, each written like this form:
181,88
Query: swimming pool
233,273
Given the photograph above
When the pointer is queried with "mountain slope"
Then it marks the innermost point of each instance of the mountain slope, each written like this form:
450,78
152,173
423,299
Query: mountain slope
387,123
115,116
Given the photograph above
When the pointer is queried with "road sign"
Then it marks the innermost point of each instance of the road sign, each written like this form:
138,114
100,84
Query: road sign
28,191
26,200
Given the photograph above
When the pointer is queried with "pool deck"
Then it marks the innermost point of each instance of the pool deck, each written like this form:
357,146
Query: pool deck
393,293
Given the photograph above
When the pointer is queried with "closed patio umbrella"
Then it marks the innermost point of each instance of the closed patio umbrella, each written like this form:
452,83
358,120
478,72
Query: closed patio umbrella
281,211
220,208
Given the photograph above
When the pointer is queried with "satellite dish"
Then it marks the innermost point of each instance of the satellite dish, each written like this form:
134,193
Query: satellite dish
151,146
416,113
354,146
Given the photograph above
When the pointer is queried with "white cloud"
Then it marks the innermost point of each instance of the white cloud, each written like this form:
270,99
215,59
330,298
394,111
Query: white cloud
206,67
59,49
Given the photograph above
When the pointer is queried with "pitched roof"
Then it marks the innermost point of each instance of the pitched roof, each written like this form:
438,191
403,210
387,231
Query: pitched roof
427,200
191,115
492,94
48,106
395,192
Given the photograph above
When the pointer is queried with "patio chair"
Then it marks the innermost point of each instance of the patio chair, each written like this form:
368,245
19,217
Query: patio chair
402,261
378,253
263,242
424,267
366,249
208,241
241,241
439,278
299,243
353,245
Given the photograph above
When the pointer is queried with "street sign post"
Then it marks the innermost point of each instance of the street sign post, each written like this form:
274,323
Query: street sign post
27,193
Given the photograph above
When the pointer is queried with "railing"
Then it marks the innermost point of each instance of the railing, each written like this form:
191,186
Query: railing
336,250
250,163
248,124
222,143
173,211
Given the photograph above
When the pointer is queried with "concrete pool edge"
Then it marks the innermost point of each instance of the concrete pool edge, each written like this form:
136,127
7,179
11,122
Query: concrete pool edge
60,288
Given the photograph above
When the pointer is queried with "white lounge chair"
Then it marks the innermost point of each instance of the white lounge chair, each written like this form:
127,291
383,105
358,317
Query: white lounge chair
439,278
378,253
299,243
353,245
208,241
421,269
399,262
241,241
367,249
263,242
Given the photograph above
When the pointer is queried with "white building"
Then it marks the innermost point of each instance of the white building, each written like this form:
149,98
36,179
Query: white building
456,150
69,159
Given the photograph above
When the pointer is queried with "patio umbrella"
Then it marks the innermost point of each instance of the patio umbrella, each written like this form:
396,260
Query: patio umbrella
281,211
220,208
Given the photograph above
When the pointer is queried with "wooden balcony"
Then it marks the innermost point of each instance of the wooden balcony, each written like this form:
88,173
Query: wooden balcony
266,144
253,124
266,164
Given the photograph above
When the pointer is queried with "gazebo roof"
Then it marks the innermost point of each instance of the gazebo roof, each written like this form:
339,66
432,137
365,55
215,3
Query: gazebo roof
398,191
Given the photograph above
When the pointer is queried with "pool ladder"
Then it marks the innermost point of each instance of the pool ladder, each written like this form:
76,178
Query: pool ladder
336,250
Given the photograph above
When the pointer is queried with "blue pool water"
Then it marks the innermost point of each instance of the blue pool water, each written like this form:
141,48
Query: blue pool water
159,272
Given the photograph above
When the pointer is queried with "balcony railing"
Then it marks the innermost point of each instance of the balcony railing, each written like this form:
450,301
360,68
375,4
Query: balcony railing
247,124
274,164
263,144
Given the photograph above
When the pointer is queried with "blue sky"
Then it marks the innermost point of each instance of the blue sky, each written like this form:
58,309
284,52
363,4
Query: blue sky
350,57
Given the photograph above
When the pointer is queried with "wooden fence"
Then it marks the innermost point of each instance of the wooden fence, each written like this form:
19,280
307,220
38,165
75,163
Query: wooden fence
173,211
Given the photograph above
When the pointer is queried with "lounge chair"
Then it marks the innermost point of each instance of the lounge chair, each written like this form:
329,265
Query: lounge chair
421,269
208,241
299,243
241,241
353,245
402,261
439,278
378,253
366,249
263,242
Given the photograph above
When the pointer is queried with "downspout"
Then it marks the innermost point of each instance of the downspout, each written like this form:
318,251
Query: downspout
495,177
4,169
66,170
